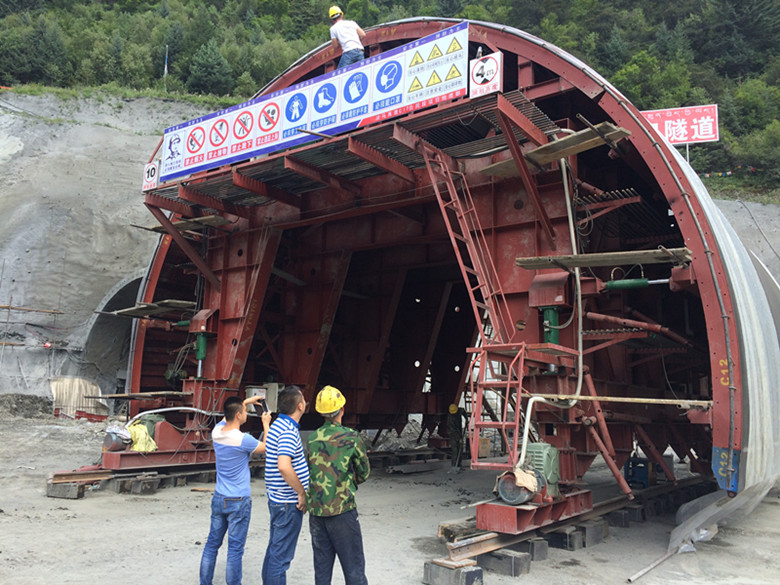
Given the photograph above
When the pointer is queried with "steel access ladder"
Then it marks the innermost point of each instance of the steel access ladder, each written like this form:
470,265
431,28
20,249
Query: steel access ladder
497,367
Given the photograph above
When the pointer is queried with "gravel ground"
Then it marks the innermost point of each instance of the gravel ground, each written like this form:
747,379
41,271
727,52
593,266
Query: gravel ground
108,537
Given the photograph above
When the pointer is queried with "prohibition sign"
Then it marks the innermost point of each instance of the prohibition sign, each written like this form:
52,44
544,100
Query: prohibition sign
219,132
243,125
485,70
196,139
268,117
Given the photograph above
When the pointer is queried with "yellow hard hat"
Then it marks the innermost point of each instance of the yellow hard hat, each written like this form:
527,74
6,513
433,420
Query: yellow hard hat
453,408
329,400
334,12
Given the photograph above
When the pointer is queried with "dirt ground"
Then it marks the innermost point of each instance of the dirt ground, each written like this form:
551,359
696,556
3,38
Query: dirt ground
108,537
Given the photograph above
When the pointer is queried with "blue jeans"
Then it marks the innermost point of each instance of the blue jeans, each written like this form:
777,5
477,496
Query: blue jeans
350,57
286,522
231,516
333,536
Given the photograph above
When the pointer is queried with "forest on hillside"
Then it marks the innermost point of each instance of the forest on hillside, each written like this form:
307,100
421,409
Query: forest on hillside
660,54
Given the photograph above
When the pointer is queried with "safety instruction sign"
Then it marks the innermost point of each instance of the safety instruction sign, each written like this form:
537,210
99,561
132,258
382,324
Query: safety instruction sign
485,74
419,74
150,176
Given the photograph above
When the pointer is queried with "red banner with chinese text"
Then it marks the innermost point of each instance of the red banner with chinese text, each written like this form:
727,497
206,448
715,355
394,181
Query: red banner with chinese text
688,125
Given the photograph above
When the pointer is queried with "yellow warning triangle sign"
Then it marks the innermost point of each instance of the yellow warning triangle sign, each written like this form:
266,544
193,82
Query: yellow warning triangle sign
417,59
416,85
454,46
453,73
435,53
434,80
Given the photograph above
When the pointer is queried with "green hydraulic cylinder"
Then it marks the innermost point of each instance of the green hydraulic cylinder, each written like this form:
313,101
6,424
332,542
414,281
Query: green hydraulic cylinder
550,317
627,284
200,347
200,352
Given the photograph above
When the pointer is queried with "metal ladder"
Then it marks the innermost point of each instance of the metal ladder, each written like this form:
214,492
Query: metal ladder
476,265
507,385
491,311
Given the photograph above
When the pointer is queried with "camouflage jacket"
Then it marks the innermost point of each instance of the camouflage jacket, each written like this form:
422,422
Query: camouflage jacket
338,463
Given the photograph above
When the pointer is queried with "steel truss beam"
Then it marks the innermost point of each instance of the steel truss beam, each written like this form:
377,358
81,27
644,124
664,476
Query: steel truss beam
181,209
378,159
321,176
185,245
263,190
194,196
509,117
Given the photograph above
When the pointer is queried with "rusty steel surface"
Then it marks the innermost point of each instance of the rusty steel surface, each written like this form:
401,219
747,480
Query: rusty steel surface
384,260
506,519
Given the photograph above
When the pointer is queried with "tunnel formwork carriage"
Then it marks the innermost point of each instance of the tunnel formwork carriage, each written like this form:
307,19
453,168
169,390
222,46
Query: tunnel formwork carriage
537,254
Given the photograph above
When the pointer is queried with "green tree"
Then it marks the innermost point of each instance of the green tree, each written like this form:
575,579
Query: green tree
673,44
735,35
758,104
14,6
14,58
614,53
136,66
210,72
49,54
450,8
245,86
649,85
564,34
761,148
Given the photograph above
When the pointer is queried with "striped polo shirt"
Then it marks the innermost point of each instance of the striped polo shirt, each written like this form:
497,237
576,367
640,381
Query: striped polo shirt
284,438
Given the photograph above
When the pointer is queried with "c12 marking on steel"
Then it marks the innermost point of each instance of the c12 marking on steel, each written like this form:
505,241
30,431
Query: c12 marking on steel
485,71
242,126
268,117
219,132
196,139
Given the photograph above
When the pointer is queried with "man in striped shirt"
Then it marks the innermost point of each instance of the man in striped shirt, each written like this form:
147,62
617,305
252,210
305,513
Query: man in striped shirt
286,482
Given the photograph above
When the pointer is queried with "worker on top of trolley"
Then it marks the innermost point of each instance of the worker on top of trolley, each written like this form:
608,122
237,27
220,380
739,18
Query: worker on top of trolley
348,34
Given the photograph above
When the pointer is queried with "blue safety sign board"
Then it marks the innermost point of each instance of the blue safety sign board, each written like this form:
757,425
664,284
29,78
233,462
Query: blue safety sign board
422,73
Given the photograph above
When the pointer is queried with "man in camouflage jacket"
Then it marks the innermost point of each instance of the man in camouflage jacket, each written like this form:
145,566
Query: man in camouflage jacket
338,463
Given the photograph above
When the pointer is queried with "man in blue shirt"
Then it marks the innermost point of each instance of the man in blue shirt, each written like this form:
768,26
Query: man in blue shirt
231,505
286,482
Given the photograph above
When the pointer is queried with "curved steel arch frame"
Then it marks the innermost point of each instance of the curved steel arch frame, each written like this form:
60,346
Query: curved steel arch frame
326,296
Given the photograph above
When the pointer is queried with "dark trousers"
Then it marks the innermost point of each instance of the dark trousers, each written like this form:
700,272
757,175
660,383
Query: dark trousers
338,536
286,521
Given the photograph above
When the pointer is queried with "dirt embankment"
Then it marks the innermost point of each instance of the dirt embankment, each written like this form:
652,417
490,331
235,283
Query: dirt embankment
69,201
